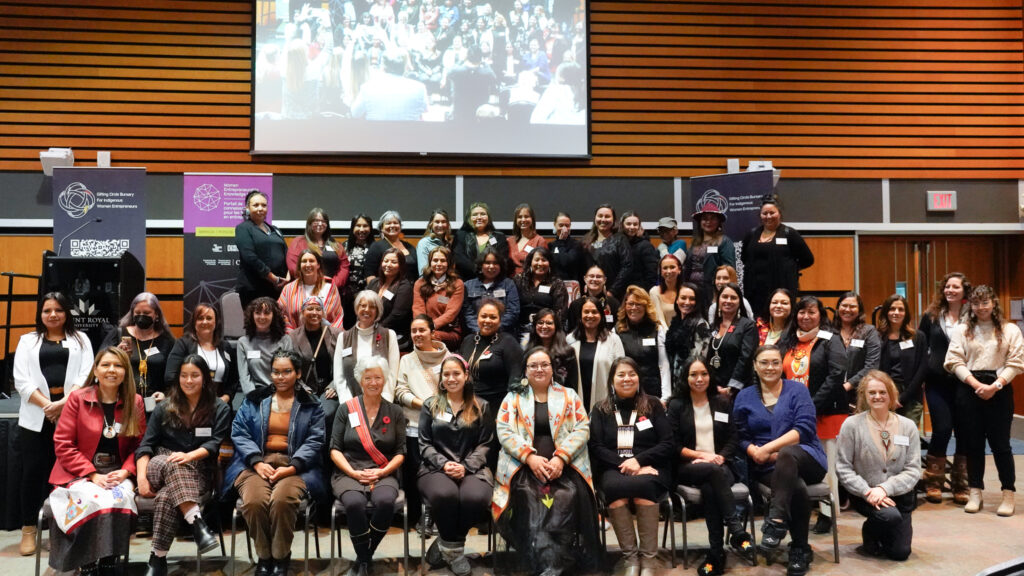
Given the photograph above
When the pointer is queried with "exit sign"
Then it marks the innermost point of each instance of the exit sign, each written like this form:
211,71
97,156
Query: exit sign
942,201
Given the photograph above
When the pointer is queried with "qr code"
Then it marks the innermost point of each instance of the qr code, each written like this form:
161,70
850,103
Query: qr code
99,248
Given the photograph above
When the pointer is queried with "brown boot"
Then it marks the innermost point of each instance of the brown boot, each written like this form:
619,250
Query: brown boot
958,479
647,528
934,476
622,522
28,541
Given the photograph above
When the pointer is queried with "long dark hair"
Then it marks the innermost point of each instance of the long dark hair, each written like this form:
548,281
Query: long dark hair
502,264
592,235
467,223
837,322
644,404
789,339
559,350
132,418
528,265
792,307
178,414
328,235
263,304
471,404
681,390
699,312
429,232
516,232
351,240
69,319
906,329
939,307
580,333
159,324
451,276
741,310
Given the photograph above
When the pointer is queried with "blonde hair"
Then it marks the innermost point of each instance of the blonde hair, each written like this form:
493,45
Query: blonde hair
640,294
890,389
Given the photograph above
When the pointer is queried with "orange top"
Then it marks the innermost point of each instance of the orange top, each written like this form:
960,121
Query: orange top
277,431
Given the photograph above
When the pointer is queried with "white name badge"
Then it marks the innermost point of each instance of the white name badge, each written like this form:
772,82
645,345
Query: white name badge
492,240
722,417
436,369
649,341
486,355
901,440
544,289
117,427
252,354
444,416
150,403
556,250
346,352
442,299
389,295
204,432
712,249
644,425
65,344
528,249
609,318
412,432
856,343
499,293
904,344
782,241
824,334
152,352
570,339
353,419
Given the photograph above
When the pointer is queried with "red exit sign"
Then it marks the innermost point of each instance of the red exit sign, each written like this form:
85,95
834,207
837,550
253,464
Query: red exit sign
942,201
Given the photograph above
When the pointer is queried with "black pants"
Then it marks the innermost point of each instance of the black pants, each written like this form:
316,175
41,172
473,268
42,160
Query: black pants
494,401
355,502
941,392
888,528
37,459
410,468
990,420
715,483
794,470
458,504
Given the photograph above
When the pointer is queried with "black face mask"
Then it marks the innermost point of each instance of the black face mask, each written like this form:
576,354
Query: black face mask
143,321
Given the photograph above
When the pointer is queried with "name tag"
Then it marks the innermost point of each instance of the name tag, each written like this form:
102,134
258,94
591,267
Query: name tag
252,354
499,293
204,432
528,249
609,318
856,343
442,299
781,241
346,352
486,355
65,344
436,369
117,427
906,344
649,341
901,440
722,417
570,339
824,335
712,249
389,295
150,403
644,425
353,419
556,250
445,417
492,240
544,289
328,248
152,352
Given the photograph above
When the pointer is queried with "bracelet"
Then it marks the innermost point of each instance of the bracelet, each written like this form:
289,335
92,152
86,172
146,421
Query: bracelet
998,385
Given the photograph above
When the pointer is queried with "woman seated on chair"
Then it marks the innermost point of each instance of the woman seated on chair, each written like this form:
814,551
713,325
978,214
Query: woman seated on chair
879,464
176,459
777,430
278,434
706,443
543,495
631,446
96,437
368,448
453,475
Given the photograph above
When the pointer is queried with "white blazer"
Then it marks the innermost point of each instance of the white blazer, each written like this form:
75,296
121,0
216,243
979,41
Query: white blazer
607,352
28,376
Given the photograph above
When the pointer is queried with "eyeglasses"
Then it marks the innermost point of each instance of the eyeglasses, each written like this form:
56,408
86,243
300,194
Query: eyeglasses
279,373
538,366
769,363
635,305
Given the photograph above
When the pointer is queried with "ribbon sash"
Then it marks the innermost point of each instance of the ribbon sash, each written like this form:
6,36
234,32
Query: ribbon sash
364,433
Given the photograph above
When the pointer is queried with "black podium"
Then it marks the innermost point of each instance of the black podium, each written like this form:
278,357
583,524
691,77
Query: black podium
100,289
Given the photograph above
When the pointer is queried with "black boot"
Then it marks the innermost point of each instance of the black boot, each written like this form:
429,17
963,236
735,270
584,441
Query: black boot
205,539
823,524
90,569
157,565
264,567
772,534
376,536
108,566
281,566
361,545
739,539
799,560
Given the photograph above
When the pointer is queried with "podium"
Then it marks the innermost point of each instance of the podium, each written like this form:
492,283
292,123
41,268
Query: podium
100,289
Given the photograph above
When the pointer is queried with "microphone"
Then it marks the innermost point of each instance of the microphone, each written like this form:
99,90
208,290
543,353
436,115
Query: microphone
75,231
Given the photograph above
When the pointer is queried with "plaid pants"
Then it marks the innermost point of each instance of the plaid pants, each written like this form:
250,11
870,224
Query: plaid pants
174,484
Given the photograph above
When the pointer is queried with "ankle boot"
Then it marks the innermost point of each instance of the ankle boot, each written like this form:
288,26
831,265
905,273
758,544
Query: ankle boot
205,539
361,545
974,501
934,476
739,539
1007,505
454,554
622,523
647,529
108,566
28,541
958,479
157,565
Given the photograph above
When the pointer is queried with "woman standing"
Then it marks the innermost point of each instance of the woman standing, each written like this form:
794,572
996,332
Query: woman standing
733,340
773,255
609,250
309,281
538,289
879,464
705,436
596,348
176,459
278,435
262,252
455,438
319,239
986,353
689,334
49,364
367,449
367,338
776,429
547,333
96,438
664,294
390,225
710,249
643,340
360,238
491,282
396,295
144,335
264,335
477,233
316,342
437,234
863,345
439,294
631,447
524,237
723,275
904,355
204,335
778,318
566,252
944,392
543,474
593,287
645,255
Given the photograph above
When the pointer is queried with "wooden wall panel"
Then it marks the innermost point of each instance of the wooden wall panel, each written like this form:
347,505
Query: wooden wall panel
872,89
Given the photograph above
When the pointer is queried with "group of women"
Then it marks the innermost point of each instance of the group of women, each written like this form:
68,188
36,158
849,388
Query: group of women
472,392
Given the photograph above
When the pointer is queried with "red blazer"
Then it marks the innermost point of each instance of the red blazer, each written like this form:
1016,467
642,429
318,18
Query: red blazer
78,435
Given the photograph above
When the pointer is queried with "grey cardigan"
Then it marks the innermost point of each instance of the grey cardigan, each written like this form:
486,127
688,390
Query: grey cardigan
860,465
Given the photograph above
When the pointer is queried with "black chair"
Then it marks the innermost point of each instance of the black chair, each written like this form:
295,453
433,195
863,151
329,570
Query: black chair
692,496
819,493
307,514
338,513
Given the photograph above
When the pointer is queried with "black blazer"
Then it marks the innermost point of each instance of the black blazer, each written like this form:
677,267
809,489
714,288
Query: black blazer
371,265
826,376
736,352
188,345
260,254
651,447
452,441
466,252
680,415
913,365
615,258
772,265
397,311
567,259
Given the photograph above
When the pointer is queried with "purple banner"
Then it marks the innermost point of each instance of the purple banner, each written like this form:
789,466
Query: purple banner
99,212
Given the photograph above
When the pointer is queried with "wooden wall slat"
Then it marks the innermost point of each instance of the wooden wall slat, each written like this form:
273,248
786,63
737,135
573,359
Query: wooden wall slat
825,32
120,96
197,27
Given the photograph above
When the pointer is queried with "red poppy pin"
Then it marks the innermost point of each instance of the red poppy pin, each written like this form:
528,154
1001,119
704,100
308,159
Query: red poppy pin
378,338
386,420
642,418
731,328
